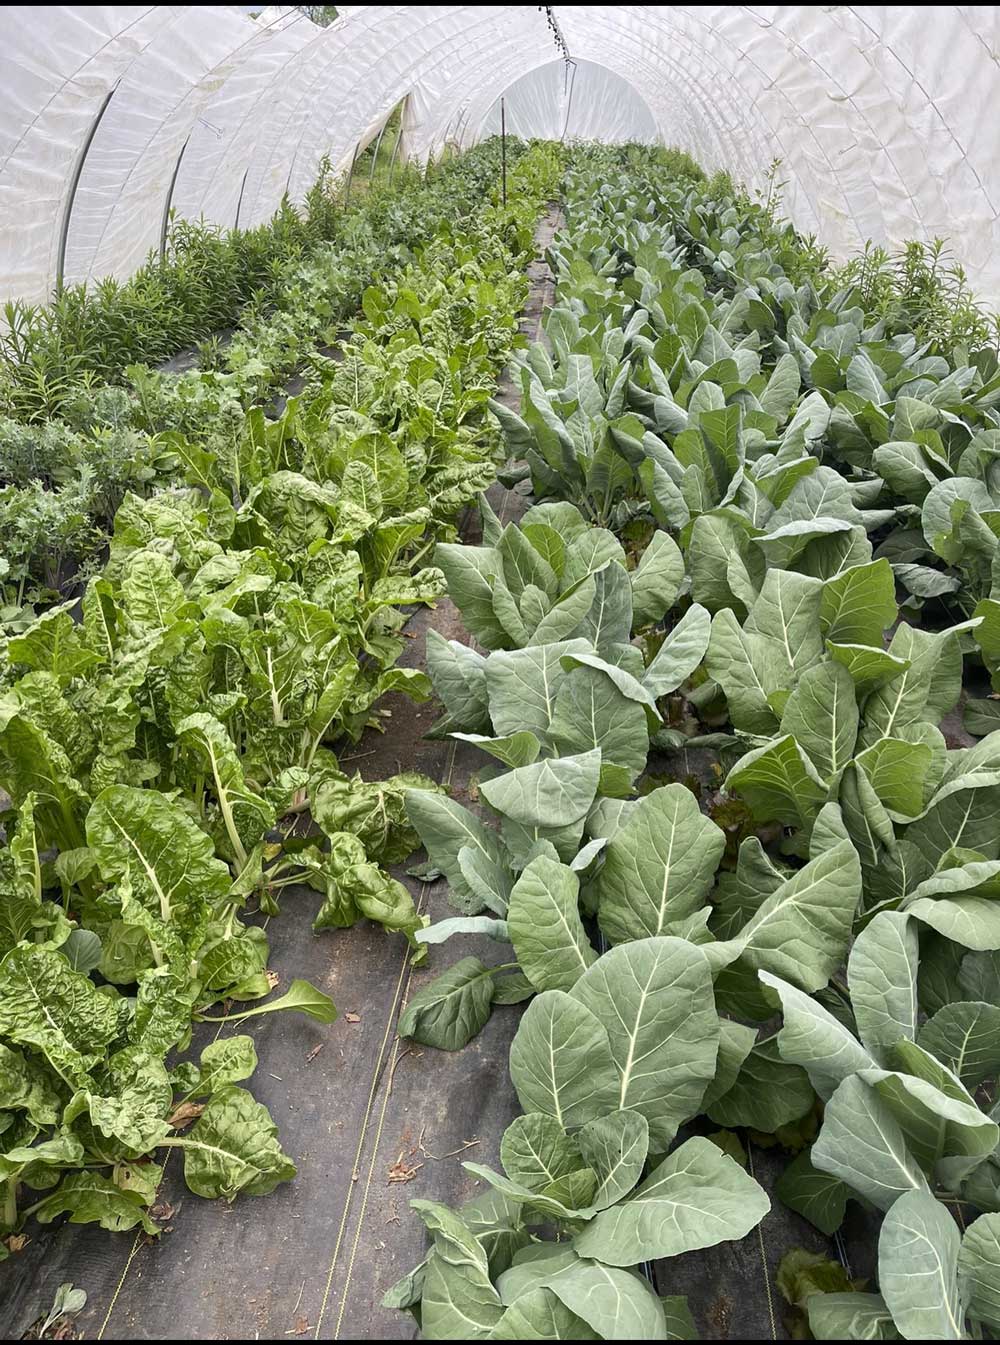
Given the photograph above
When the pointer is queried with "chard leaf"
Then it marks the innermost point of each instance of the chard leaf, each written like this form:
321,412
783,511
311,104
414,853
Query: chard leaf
90,1198
169,860
233,1148
46,1005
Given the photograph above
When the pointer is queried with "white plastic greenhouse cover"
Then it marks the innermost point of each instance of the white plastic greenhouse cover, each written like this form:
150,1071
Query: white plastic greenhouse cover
883,117
574,100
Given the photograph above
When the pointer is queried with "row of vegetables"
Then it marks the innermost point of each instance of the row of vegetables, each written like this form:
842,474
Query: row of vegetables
737,475
165,741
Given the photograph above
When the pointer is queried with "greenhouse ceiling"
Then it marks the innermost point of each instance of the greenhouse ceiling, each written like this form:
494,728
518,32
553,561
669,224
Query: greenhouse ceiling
116,114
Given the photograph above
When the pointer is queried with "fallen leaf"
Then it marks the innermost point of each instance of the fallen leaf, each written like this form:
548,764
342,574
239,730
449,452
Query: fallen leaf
185,1114
402,1172
311,1055
16,1242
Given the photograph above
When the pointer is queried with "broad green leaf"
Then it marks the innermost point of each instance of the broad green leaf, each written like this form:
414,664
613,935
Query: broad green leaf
817,1196
858,605
965,1036
898,773
452,1009
680,653
566,614
617,1304
869,668
536,1151
565,1199
850,1317
609,621
698,1197
767,1093
749,669
787,614
736,1041
519,749
812,1037
459,1301
447,829
862,1143
657,579
561,1062
822,715
654,998
523,685
882,978
948,1135
471,572
545,926
659,865
550,793
591,712
802,930
233,1148
459,677
615,1147
539,1314
918,1249
979,1269
779,783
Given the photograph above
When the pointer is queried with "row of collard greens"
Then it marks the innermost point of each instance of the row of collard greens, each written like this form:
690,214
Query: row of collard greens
804,465
158,753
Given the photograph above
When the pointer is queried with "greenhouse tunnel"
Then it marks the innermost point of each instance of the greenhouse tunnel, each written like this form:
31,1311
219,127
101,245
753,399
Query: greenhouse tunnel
500,669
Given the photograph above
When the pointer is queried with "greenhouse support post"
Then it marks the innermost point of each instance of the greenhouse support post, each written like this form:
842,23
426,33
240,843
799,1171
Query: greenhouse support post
503,150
